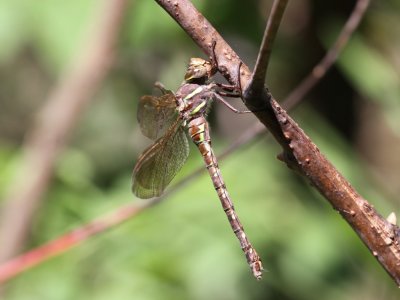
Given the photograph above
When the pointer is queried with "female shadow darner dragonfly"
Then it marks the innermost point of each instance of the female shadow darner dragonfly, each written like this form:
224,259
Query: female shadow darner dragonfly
164,120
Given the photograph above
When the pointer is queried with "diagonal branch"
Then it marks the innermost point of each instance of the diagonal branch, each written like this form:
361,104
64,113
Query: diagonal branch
330,57
300,154
261,67
65,242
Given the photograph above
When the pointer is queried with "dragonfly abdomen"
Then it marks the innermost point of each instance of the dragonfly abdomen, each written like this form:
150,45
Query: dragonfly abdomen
198,130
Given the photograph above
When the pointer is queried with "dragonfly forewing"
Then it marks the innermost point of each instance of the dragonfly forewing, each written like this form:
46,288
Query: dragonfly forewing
162,119
156,114
159,164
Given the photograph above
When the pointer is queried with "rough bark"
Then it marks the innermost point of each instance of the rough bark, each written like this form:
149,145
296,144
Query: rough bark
299,152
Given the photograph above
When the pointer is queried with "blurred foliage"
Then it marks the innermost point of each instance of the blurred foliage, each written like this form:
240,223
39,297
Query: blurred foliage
184,248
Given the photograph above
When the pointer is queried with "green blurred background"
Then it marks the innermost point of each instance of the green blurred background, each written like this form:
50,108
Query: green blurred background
184,247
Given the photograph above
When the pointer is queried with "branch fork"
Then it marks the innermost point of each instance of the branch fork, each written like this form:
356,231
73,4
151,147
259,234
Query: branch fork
299,152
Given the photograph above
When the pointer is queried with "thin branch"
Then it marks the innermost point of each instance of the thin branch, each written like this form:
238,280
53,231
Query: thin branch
380,236
65,242
56,120
274,20
330,57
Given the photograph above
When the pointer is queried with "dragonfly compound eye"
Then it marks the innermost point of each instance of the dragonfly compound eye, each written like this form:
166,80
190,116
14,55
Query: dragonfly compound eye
198,68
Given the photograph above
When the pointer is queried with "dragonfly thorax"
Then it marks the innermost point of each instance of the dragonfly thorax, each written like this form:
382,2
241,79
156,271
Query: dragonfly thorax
194,100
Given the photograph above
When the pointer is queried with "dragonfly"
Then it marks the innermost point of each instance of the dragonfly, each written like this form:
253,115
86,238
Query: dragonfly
165,119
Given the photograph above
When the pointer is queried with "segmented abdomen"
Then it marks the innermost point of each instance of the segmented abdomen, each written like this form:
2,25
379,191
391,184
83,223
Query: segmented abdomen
198,130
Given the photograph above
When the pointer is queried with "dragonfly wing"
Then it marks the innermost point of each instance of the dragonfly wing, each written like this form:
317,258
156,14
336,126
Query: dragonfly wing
156,114
159,164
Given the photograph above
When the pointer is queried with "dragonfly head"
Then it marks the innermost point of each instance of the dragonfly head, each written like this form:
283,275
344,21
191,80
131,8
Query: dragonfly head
199,70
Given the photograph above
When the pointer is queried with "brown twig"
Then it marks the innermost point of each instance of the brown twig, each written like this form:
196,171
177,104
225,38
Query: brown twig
299,152
62,244
65,242
261,67
330,57
56,120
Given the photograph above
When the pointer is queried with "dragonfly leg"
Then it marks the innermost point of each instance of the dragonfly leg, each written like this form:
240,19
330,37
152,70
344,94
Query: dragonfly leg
239,83
228,94
226,103
214,63
229,90
217,96
227,87
162,88
234,91
213,58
